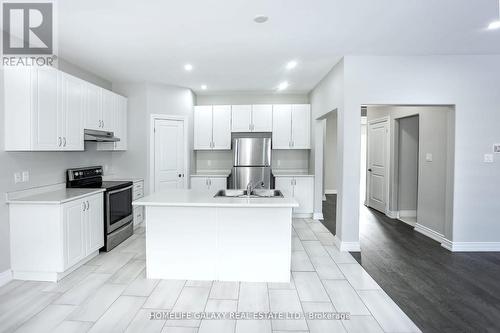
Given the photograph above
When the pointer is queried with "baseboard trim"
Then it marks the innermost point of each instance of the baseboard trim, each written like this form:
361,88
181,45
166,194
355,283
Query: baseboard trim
318,216
5,277
303,216
429,233
330,191
393,214
471,246
407,213
346,246
411,224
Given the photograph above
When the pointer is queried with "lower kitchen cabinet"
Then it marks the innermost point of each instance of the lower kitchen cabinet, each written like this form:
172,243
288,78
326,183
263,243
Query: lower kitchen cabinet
50,240
210,184
301,189
137,193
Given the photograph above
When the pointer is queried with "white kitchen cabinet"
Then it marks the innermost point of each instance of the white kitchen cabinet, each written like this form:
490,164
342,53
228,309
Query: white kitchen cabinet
209,184
301,189
137,193
43,110
252,118
241,118
212,127
49,248
47,110
93,107
73,102
119,124
292,126
262,118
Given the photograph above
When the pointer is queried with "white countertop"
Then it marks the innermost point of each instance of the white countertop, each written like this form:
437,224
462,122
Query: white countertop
56,197
122,178
194,198
292,173
215,173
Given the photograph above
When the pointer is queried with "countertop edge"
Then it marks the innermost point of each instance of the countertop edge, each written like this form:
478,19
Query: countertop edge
19,201
223,205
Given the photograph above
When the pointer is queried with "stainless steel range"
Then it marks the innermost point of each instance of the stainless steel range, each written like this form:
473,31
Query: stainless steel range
118,213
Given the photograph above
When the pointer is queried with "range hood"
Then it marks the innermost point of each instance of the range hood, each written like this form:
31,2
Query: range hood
99,136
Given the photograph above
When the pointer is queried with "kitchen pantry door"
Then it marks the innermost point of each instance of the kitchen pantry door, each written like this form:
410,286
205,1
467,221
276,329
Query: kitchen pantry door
169,153
377,173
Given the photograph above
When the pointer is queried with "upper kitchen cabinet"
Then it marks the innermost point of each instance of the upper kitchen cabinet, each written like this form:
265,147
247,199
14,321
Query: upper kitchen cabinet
43,110
252,118
93,107
291,126
117,111
108,110
212,127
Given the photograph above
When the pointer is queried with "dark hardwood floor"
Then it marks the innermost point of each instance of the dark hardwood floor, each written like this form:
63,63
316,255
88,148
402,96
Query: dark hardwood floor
329,212
439,290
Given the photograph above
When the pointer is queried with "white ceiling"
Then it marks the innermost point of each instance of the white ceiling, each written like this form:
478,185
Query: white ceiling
150,41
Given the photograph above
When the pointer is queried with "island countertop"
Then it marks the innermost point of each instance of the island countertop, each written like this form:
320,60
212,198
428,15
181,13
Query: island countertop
195,198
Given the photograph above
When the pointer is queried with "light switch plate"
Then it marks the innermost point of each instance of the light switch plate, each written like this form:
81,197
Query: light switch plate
488,158
428,157
17,177
496,148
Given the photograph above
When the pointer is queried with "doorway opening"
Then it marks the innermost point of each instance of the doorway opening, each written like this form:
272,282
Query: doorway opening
330,171
409,166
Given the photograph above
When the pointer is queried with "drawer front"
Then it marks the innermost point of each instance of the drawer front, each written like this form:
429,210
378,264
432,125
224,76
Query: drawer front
138,215
138,191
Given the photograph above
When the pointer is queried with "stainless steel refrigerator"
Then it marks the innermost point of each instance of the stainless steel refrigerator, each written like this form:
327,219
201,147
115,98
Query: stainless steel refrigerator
251,160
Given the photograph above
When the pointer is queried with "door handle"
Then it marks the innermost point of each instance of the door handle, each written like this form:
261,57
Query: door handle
180,175
370,170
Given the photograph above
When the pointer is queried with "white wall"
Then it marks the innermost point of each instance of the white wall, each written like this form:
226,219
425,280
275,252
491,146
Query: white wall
145,100
45,168
238,98
408,163
468,82
330,153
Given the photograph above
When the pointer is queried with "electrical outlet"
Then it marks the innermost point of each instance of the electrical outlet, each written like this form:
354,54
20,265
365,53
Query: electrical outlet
26,176
17,177
496,148
488,158
428,157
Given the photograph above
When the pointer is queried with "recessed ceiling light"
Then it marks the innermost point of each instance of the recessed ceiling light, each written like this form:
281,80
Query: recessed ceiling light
494,25
283,85
188,67
260,19
291,64
203,87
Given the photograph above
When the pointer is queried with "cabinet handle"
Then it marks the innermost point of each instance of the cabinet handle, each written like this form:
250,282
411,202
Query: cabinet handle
210,182
84,206
213,144
64,139
59,144
88,205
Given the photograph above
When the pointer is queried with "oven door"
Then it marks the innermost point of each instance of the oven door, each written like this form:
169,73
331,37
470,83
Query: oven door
118,208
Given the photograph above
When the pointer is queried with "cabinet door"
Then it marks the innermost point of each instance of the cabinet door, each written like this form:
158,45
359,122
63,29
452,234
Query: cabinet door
304,192
241,118
72,112
94,220
285,185
301,126
282,126
47,110
93,107
222,127
199,183
262,118
108,110
74,232
121,122
216,184
203,127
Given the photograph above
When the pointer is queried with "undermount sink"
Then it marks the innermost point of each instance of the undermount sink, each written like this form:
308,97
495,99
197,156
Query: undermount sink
261,193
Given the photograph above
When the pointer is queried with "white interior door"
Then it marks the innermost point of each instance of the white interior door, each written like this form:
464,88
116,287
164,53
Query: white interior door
169,154
377,164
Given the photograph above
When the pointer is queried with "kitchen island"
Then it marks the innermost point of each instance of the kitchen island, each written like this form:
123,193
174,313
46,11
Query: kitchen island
191,235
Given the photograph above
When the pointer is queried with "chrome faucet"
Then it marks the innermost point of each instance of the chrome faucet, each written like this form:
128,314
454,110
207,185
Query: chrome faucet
250,187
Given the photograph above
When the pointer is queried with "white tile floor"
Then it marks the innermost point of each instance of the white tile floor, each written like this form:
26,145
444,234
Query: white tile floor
111,294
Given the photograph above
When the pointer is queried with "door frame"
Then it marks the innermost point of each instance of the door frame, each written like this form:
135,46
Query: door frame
152,174
387,120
